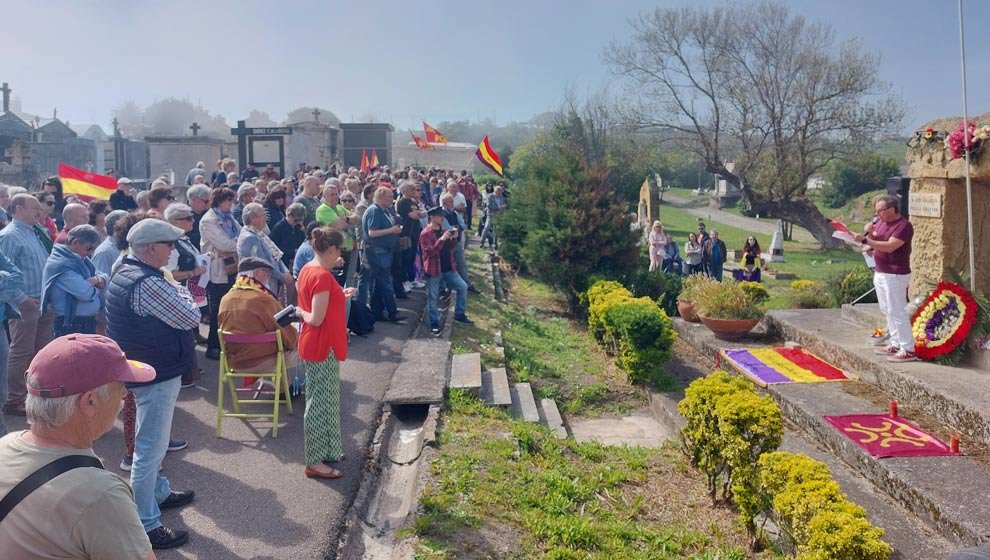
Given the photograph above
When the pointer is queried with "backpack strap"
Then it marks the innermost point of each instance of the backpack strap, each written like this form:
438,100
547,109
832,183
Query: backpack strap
42,476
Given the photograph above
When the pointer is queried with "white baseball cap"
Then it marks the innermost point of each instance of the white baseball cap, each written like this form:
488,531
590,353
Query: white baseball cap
123,181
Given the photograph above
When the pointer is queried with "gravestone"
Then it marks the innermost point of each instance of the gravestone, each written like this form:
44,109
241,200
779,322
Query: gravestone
726,194
937,197
261,146
178,154
777,244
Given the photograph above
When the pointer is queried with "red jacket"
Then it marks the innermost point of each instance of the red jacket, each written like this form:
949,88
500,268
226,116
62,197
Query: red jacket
429,248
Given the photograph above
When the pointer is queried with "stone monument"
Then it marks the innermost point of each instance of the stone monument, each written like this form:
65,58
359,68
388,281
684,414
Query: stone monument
937,206
777,244
649,203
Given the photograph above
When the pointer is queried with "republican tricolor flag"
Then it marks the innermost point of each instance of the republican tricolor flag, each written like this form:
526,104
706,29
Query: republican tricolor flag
374,158
489,157
84,185
364,161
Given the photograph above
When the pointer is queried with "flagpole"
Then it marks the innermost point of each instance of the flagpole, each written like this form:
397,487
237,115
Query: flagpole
969,184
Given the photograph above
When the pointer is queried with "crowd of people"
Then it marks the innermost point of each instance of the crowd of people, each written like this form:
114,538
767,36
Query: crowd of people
704,253
136,276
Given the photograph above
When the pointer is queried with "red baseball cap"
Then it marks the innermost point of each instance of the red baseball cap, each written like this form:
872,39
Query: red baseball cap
76,363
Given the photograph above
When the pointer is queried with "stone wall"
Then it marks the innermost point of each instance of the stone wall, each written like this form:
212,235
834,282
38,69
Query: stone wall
943,242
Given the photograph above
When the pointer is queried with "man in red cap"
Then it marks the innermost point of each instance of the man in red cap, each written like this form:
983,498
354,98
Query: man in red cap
75,386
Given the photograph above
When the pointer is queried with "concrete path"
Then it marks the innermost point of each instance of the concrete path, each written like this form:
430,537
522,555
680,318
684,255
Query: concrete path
765,227
252,500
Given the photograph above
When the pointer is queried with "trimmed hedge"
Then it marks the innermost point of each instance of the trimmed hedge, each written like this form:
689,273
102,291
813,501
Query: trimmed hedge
635,330
731,434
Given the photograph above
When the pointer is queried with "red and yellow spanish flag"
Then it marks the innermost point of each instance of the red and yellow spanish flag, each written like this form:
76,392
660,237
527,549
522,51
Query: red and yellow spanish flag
489,157
364,160
85,185
374,158
433,136
420,143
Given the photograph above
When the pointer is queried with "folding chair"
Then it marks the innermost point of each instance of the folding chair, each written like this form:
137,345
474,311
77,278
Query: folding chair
228,375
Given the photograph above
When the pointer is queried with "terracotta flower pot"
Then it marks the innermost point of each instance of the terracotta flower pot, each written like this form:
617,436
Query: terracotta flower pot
729,329
686,310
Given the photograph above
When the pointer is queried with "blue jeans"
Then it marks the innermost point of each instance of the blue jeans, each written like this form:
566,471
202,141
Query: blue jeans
382,296
4,353
461,263
715,270
455,283
155,405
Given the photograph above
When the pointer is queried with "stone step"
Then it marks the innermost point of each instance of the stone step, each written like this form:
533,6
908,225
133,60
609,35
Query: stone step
959,397
523,403
495,387
865,314
944,492
550,417
422,373
465,372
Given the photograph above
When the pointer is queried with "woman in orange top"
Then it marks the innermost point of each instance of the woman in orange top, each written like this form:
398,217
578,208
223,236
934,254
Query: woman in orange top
322,346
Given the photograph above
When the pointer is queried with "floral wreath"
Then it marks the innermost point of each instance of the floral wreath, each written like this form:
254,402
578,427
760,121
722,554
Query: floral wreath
928,137
942,324
956,142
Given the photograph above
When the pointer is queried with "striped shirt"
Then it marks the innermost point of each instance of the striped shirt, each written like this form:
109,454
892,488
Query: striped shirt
20,243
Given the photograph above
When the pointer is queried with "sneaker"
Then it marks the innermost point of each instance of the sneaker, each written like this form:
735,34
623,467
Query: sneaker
418,285
163,537
177,444
463,319
407,285
886,351
126,463
177,499
435,331
903,356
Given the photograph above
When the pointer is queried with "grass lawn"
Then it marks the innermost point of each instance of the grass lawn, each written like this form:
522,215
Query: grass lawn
502,488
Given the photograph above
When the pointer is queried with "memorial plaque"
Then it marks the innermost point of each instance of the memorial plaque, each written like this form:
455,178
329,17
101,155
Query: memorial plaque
925,204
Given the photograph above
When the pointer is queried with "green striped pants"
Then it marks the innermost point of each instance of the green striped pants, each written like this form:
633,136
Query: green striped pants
321,421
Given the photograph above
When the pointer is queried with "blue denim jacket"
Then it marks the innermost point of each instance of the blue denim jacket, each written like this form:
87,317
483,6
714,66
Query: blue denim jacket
11,283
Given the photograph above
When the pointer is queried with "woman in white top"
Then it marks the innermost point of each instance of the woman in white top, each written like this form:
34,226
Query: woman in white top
658,245
692,255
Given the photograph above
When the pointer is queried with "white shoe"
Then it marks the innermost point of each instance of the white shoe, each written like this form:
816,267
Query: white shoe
407,285
419,285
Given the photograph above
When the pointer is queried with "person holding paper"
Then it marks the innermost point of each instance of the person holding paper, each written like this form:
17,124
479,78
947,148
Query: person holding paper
889,237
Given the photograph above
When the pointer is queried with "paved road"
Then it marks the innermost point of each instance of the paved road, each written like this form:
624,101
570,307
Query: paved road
765,227
252,500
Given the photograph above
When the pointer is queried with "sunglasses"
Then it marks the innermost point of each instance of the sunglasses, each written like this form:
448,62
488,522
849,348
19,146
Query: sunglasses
187,218
171,198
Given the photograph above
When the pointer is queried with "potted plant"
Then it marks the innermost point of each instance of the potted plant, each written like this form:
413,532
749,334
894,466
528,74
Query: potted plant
728,309
690,287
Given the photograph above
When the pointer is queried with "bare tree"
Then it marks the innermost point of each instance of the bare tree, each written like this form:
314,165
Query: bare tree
758,86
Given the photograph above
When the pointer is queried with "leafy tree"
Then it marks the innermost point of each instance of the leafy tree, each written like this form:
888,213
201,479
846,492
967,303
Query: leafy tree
758,86
847,179
130,117
566,221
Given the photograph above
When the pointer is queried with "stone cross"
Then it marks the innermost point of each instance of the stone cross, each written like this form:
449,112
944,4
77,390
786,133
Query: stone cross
777,243
316,114
195,128
116,127
6,96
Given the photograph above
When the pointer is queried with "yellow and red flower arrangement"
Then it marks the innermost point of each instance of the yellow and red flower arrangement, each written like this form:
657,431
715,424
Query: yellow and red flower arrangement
942,324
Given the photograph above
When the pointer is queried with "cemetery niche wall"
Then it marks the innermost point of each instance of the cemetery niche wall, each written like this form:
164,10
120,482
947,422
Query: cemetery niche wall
937,205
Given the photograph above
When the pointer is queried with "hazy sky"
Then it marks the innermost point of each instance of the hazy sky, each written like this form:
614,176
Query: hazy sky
406,61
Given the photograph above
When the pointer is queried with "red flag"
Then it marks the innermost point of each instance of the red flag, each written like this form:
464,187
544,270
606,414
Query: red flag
420,143
85,185
364,160
374,158
433,136
489,157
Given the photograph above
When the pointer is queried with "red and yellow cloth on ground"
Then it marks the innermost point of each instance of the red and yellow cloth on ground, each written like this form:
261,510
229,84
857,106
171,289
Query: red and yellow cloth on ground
85,185
882,435
769,366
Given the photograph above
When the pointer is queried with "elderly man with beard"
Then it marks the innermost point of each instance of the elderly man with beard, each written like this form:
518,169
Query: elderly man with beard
75,388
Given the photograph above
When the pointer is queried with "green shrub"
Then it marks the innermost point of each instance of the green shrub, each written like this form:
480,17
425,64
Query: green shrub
601,296
700,434
641,336
756,292
726,300
812,512
846,286
807,294
670,291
